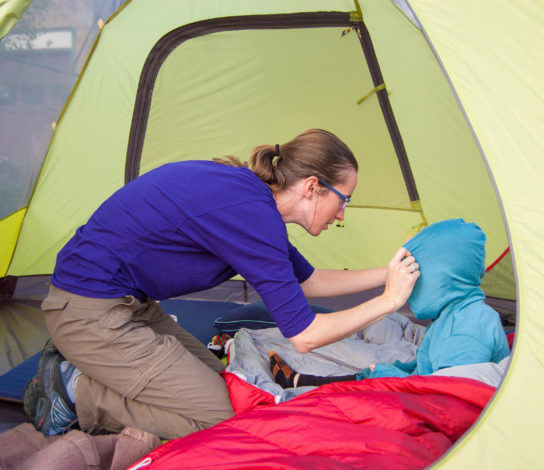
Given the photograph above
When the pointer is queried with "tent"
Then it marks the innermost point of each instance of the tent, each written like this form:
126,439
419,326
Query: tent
439,101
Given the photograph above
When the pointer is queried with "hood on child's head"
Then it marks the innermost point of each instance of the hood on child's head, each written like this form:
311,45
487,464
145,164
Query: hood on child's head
451,258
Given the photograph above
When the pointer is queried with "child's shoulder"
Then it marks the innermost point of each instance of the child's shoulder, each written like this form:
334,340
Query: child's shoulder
476,315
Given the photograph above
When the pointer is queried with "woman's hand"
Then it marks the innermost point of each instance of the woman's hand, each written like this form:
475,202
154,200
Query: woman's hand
402,274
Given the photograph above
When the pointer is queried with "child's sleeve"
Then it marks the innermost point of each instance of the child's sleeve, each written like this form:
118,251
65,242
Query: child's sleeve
396,369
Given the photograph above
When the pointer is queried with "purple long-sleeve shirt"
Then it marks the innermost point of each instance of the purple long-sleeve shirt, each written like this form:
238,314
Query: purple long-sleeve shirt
186,227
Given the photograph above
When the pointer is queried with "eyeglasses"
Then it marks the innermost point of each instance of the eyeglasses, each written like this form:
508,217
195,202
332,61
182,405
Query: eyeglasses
345,200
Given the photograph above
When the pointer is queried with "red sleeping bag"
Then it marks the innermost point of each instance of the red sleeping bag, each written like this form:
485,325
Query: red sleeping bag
386,423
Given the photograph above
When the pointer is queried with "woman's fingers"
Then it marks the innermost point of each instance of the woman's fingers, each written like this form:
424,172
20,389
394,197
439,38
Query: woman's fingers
404,259
411,266
402,273
400,255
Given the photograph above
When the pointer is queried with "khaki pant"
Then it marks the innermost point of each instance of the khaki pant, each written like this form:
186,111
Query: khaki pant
139,367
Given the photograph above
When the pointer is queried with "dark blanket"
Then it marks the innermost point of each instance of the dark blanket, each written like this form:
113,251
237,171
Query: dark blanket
386,423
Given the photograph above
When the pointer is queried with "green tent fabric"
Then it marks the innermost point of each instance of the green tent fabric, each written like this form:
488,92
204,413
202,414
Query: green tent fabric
440,101
11,12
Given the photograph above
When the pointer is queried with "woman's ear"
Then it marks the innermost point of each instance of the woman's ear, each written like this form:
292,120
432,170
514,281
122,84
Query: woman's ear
310,186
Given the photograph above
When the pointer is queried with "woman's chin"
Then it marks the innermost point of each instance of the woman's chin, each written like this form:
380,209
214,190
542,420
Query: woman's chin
315,232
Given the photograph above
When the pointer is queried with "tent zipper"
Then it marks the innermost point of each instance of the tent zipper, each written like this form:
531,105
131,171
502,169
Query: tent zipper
387,110
174,38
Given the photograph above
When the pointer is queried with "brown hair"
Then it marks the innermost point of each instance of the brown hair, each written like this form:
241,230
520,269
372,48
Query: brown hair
315,152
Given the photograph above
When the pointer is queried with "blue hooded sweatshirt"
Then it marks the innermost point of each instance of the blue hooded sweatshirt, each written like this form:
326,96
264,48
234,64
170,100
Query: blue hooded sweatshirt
463,330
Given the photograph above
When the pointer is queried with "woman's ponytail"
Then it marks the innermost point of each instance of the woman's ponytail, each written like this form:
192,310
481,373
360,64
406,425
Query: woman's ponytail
266,164
315,152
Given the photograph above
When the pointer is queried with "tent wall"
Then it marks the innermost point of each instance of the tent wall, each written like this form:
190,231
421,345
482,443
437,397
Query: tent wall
470,105
9,232
42,50
492,52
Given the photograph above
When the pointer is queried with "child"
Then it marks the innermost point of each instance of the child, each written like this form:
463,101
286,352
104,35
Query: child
463,329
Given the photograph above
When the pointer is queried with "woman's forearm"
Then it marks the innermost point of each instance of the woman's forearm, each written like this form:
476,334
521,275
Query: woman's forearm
328,328
401,274
330,283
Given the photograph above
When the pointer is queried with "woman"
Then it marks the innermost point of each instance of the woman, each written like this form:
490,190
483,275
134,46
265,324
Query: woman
181,228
